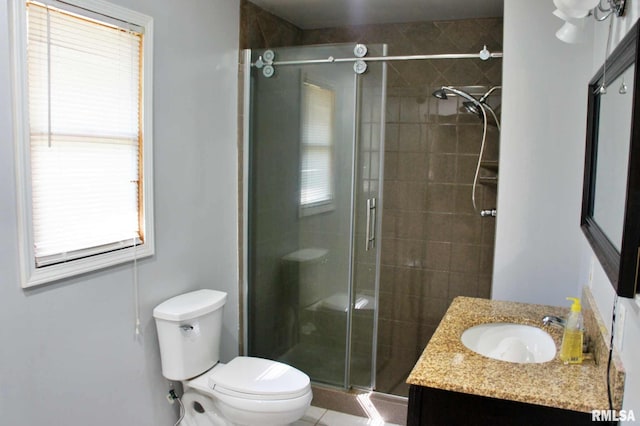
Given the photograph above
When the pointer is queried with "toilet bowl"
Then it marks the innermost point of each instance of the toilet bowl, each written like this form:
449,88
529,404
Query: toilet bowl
245,391
248,391
199,410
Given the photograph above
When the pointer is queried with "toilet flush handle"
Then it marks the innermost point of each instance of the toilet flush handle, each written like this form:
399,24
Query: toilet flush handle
186,327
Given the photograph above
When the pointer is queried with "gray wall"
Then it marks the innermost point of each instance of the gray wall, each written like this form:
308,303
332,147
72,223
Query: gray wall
538,237
67,349
541,255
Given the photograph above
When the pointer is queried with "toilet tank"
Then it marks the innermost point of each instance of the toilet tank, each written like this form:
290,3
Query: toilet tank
189,327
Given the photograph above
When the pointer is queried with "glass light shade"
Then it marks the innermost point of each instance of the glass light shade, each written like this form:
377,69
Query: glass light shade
560,14
575,8
579,22
570,33
580,4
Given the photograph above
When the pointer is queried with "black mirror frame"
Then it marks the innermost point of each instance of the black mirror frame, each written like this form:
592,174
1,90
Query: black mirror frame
621,266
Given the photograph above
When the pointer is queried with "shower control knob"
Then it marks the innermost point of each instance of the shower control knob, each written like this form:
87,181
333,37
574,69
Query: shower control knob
360,67
268,71
269,56
360,50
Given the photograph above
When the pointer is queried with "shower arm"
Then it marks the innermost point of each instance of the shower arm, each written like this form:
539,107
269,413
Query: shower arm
486,95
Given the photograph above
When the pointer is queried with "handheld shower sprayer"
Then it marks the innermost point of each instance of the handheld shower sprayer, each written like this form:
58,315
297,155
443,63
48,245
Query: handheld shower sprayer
480,108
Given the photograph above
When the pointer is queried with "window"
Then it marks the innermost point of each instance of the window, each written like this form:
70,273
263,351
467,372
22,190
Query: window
316,157
83,103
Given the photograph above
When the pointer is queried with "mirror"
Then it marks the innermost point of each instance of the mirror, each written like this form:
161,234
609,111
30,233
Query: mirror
611,193
612,156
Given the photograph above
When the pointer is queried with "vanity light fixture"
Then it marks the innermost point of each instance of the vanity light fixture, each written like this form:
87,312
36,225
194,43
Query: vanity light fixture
574,12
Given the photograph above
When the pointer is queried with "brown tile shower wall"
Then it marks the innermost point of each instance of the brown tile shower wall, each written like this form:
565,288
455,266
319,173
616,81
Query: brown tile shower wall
425,38
434,247
260,29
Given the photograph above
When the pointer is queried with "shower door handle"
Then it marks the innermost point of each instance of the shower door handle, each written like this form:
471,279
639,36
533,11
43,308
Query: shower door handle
371,224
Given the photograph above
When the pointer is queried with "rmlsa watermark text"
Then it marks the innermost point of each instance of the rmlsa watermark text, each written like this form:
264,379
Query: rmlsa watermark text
612,416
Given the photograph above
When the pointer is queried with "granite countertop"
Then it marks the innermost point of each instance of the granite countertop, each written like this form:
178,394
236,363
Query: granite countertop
448,365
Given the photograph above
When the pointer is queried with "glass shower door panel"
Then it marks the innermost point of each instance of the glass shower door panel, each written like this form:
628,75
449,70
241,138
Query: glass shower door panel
300,212
368,211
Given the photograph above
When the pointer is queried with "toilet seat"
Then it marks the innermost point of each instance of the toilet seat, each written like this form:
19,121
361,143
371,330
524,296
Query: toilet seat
258,379
251,391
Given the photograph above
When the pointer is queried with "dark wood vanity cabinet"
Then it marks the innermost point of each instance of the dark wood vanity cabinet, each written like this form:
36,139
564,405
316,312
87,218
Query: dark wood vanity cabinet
435,407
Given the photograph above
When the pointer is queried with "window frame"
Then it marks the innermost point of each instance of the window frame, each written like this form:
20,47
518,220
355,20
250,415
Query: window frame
31,275
327,205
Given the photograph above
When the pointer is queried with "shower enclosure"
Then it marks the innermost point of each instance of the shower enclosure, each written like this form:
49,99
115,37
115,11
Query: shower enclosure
315,180
338,283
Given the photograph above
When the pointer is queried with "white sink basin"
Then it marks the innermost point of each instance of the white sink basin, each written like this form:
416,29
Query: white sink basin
510,342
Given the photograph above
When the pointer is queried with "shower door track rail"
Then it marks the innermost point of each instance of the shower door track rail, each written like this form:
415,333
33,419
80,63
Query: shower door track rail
331,59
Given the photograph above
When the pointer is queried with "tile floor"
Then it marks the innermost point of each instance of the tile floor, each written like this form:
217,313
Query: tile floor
323,417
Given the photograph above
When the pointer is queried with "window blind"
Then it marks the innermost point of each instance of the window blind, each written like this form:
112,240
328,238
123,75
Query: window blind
85,137
317,145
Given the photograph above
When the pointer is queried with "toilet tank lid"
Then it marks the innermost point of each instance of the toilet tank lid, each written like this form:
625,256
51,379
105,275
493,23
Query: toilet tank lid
190,305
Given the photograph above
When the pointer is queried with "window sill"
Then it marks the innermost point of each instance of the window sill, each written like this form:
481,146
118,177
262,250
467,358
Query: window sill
37,276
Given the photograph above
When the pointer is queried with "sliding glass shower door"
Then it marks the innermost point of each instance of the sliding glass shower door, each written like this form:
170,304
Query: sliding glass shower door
314,194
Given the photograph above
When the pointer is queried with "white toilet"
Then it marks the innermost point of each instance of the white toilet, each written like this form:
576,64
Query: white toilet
246,391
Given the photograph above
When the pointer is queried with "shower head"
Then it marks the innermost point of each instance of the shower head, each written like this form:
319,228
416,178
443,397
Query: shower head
481,110
442,94
471,107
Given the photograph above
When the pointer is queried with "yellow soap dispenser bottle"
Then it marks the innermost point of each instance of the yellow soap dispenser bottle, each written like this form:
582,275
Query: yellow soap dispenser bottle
571,349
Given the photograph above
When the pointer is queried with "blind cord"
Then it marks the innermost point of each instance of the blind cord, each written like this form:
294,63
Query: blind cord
135,287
